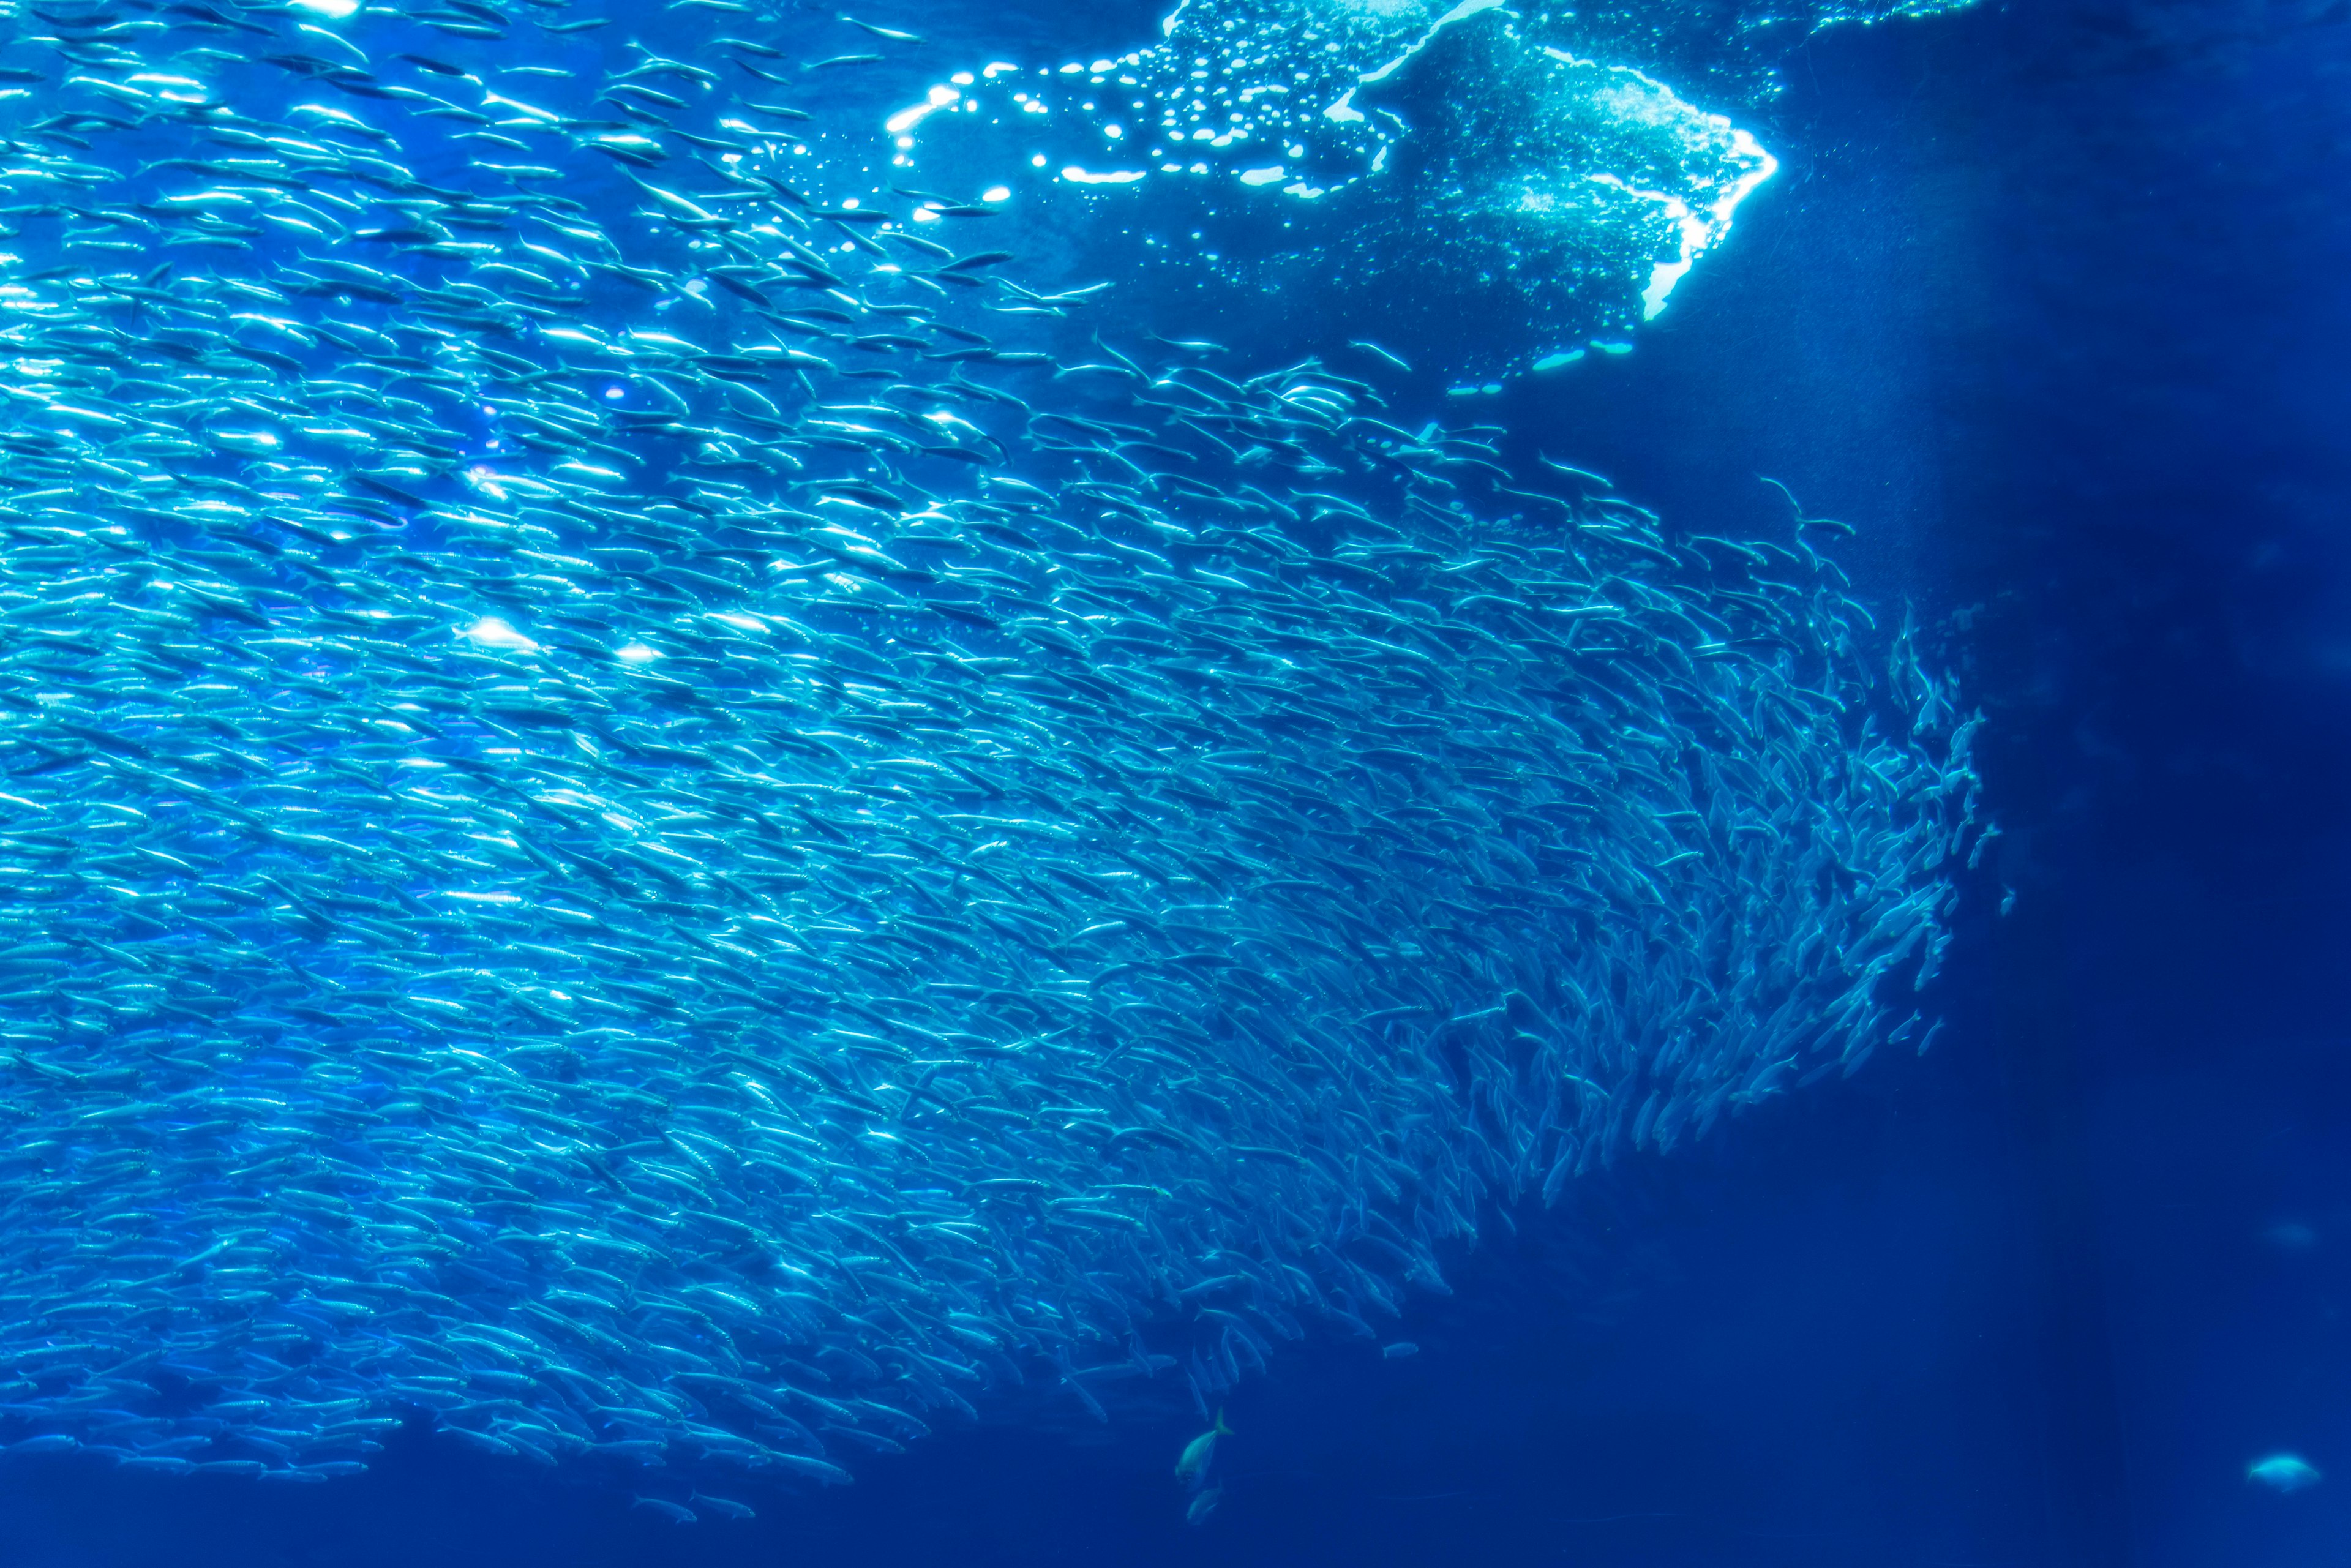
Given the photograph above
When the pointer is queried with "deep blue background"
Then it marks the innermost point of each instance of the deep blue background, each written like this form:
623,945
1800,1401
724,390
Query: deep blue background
2052,302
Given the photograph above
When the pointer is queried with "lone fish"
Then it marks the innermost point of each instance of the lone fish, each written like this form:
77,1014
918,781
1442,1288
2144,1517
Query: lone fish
2284,1473
1192,1467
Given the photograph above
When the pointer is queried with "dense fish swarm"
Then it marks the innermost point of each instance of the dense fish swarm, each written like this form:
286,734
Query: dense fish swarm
1520,182
1484,188
618,826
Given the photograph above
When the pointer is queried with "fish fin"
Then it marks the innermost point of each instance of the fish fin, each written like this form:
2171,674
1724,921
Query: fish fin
1222,1430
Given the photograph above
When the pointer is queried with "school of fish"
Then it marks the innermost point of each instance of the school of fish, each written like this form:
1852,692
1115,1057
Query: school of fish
659,815
1509,197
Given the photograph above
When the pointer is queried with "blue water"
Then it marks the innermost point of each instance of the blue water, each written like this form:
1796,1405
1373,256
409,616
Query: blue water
2046,303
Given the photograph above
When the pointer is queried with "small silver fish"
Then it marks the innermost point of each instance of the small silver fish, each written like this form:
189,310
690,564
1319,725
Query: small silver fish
2283,1472
1192,1465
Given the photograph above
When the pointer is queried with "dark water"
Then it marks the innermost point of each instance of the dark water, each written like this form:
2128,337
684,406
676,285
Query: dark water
2050,301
